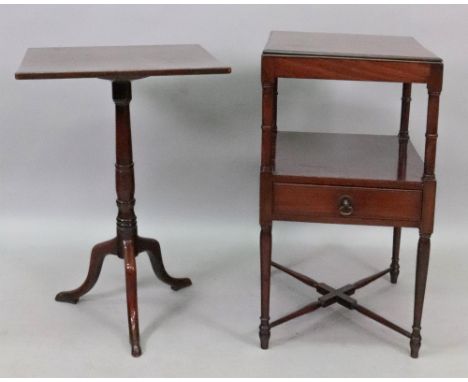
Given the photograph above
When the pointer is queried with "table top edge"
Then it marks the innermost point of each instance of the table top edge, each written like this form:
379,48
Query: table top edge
212,66
429,57
338,56
123,75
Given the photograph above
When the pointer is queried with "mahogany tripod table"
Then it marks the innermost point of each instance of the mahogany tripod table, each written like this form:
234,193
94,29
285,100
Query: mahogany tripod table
121,65
348,178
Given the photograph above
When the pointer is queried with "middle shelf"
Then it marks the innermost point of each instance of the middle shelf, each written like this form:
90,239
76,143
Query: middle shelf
347,159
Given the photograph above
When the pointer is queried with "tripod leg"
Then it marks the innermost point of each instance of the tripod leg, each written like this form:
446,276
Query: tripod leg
98,253
153,249
132,298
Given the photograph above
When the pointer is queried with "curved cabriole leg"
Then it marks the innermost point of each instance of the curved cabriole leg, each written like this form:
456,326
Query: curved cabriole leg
265,270
98,253
128,249
395,265
422,265
152,247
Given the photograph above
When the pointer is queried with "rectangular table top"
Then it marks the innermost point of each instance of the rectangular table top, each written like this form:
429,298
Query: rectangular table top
348,46
118,62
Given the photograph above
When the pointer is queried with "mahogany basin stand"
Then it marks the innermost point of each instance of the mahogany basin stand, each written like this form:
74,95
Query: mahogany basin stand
348,178
121,65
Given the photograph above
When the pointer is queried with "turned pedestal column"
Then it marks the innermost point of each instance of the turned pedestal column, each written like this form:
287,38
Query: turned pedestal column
127,244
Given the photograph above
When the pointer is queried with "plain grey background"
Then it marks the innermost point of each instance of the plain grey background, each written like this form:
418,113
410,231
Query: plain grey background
196,149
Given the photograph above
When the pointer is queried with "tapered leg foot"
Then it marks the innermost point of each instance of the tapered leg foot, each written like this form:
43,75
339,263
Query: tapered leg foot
153,249
422,265
128,249
264,334
395,265
394,276
98,253
415,342
265,272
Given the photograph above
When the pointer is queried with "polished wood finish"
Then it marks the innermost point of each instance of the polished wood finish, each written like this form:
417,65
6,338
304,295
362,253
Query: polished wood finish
113,62
341,296
121,65
348,46
340,69
127,244
348,178
339,204
324,158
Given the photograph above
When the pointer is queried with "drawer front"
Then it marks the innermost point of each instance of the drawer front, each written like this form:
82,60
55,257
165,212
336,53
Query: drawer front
346,204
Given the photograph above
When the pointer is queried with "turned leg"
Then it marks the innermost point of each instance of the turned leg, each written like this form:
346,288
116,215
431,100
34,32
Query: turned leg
422,265
265,272
98,253
434,88
269,113
403,138
153,249
395,265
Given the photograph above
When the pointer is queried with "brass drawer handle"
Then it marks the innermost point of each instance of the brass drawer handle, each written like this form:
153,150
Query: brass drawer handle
346,206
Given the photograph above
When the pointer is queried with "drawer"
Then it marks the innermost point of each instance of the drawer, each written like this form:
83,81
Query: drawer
346,204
